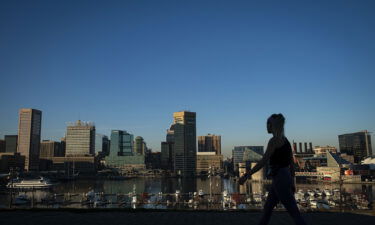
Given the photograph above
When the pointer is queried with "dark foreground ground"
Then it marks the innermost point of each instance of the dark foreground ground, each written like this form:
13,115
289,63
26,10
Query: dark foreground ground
26,217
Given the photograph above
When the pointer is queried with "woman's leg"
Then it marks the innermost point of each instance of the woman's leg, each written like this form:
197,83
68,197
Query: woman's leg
271,202
283,189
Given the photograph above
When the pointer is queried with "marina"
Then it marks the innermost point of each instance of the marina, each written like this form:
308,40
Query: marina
174,193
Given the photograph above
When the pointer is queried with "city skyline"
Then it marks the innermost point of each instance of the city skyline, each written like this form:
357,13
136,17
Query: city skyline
225,153
130,65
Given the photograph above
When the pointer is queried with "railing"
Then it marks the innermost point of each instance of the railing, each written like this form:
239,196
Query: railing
309,201
309,174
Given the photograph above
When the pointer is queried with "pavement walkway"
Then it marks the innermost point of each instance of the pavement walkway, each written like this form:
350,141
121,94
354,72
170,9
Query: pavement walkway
54,217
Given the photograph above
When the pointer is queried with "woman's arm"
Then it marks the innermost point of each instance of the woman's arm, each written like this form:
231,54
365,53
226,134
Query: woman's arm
291,166
269,151
272,144
292,172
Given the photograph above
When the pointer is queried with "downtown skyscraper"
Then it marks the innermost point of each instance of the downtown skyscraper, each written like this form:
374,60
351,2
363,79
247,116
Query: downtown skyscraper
185,143
29,129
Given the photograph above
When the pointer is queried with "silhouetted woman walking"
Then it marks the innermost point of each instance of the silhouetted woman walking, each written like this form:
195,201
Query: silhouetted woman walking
280,157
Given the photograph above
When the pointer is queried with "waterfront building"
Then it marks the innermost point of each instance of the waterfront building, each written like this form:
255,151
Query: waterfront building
11,143
101,144
209,143
349,158
370,161
310,163
207,160
250,156
338,168
2,145
321,150
335,160
121,154
11,160
126,163
364,170
330,173
238,153
49,149
74,165
154,160
139,146
166,156
228,166
80,139
29,129
144,147
304,158
185,143
356,144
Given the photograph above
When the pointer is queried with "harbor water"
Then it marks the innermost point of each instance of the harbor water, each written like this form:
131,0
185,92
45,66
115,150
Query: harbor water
213,193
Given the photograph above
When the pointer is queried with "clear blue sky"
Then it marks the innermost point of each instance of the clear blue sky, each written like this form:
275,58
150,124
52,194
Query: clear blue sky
131,64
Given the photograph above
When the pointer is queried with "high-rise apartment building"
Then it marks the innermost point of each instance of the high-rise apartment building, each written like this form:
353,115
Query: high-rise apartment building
209,143
29,129
11,143
185,143
80,139
356,144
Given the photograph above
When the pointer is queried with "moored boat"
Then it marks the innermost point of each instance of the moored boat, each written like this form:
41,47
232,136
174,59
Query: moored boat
40,183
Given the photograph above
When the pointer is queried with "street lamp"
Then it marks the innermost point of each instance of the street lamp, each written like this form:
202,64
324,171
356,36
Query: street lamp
209,175
11,173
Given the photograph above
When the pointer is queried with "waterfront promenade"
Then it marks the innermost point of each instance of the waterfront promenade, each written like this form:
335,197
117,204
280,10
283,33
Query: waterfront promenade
149,217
